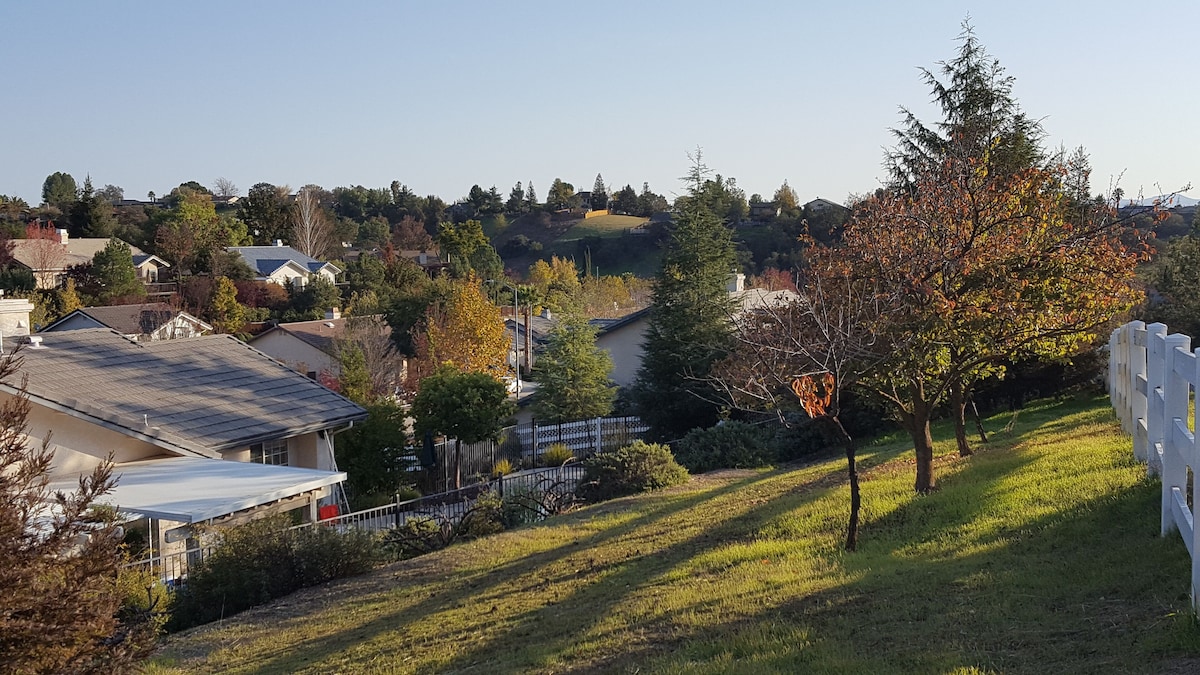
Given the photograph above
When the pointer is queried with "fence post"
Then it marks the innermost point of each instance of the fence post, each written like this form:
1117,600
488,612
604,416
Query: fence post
535,437
397,515
1147,409
1174,405
599,436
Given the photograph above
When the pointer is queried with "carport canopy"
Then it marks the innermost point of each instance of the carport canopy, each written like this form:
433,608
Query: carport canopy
196,489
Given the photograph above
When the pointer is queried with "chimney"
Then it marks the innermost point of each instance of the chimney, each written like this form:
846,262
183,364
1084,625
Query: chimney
279,242
736,283
63,236
14,317
546,314
333,313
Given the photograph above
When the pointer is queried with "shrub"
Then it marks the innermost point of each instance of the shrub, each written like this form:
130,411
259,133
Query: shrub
145,599
415,537
263,560
556,455
485,517
635,468
732,445
502,467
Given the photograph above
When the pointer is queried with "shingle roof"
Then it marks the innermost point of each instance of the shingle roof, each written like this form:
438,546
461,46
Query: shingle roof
321,333
76,251
267,259
131,319
201,395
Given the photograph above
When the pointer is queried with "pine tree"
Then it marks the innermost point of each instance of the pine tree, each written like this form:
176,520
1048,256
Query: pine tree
114,270
573,373
228,314
599,194
689,326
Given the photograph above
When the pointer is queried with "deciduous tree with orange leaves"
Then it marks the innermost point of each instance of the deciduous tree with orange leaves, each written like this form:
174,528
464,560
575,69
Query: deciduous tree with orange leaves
467,331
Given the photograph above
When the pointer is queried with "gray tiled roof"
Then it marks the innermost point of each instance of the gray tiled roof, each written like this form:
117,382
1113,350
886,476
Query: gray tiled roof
266,259
202,394
131,319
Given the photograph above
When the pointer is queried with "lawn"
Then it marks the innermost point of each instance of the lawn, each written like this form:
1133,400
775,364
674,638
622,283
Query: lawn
1039,554
603,226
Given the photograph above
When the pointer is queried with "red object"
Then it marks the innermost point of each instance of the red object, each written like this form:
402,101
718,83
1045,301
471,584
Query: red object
327,512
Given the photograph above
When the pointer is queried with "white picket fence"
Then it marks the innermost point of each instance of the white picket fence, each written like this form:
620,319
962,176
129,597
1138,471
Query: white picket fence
1151,378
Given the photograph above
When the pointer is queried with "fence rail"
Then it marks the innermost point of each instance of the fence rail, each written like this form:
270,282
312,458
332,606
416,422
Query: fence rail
1152,376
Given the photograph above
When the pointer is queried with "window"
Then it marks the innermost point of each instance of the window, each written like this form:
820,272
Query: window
271,452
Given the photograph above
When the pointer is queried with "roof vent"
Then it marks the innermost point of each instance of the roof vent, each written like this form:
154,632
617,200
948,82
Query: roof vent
35,342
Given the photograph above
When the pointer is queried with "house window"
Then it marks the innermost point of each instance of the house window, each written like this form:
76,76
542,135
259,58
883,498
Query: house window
271,452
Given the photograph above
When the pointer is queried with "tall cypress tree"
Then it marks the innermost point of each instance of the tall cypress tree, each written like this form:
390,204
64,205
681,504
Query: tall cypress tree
573,383
689,326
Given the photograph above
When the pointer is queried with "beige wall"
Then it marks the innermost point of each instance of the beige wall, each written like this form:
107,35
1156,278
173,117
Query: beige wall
624,345
295,353
307,451
79,446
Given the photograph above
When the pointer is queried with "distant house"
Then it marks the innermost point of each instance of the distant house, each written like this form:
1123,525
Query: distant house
49,259
311,347
146,322
207,430
817,205
624,338
281,264
764,211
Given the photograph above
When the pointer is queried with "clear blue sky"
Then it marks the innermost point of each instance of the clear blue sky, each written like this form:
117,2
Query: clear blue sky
443,95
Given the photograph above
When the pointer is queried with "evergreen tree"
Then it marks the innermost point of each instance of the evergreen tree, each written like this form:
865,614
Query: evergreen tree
115,274
227,313
689,327
59,190
599,194
531,202
91,215
354,381
573,379
516,200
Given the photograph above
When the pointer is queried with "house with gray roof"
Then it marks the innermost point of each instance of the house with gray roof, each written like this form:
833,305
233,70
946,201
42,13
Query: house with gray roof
281,264
205,430
145,322
313,348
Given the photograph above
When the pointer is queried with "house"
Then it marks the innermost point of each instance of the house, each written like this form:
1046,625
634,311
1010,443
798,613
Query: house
311,347
49,259
281,264
623,338
764,211
140,323
207,430
817,205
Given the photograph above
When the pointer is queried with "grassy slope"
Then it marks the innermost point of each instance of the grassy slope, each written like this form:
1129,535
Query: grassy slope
603,226
1039,554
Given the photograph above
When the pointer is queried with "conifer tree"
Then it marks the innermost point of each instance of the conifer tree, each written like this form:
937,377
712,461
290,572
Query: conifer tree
573,379
114,270
689,325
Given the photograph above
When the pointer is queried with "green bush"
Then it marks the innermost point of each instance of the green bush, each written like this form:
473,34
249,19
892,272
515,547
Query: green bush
145,599
263,560
556,455
485,517
732,445
417,536
634,468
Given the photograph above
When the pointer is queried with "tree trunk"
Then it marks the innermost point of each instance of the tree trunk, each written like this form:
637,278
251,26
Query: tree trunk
978,422
457,464
851,471
916,423
958,406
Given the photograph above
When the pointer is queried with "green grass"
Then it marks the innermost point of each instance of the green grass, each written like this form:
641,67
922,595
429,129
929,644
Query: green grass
603,226
1039,554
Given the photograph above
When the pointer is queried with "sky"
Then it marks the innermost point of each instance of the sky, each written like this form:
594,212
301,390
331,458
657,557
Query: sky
444,95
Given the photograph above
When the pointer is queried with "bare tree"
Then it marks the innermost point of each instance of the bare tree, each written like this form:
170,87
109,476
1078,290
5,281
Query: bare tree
45,254
811,349
312,232
224,187
385,365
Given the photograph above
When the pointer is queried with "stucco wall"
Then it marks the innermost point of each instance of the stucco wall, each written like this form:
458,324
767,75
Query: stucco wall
79,446
295,353
624,345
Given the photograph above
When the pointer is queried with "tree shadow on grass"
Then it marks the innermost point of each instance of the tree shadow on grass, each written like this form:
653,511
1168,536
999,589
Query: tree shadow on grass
543,569
1089,589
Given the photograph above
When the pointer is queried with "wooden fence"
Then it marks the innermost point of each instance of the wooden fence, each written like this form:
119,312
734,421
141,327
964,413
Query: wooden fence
1152,377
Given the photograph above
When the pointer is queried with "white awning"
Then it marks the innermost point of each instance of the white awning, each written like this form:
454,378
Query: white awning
195,489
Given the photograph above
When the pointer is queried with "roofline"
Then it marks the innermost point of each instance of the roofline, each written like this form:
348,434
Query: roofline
68,315
624,321
290,432
186,449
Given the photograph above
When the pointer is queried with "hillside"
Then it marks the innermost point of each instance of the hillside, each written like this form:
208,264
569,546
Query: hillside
1039,554
565,237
